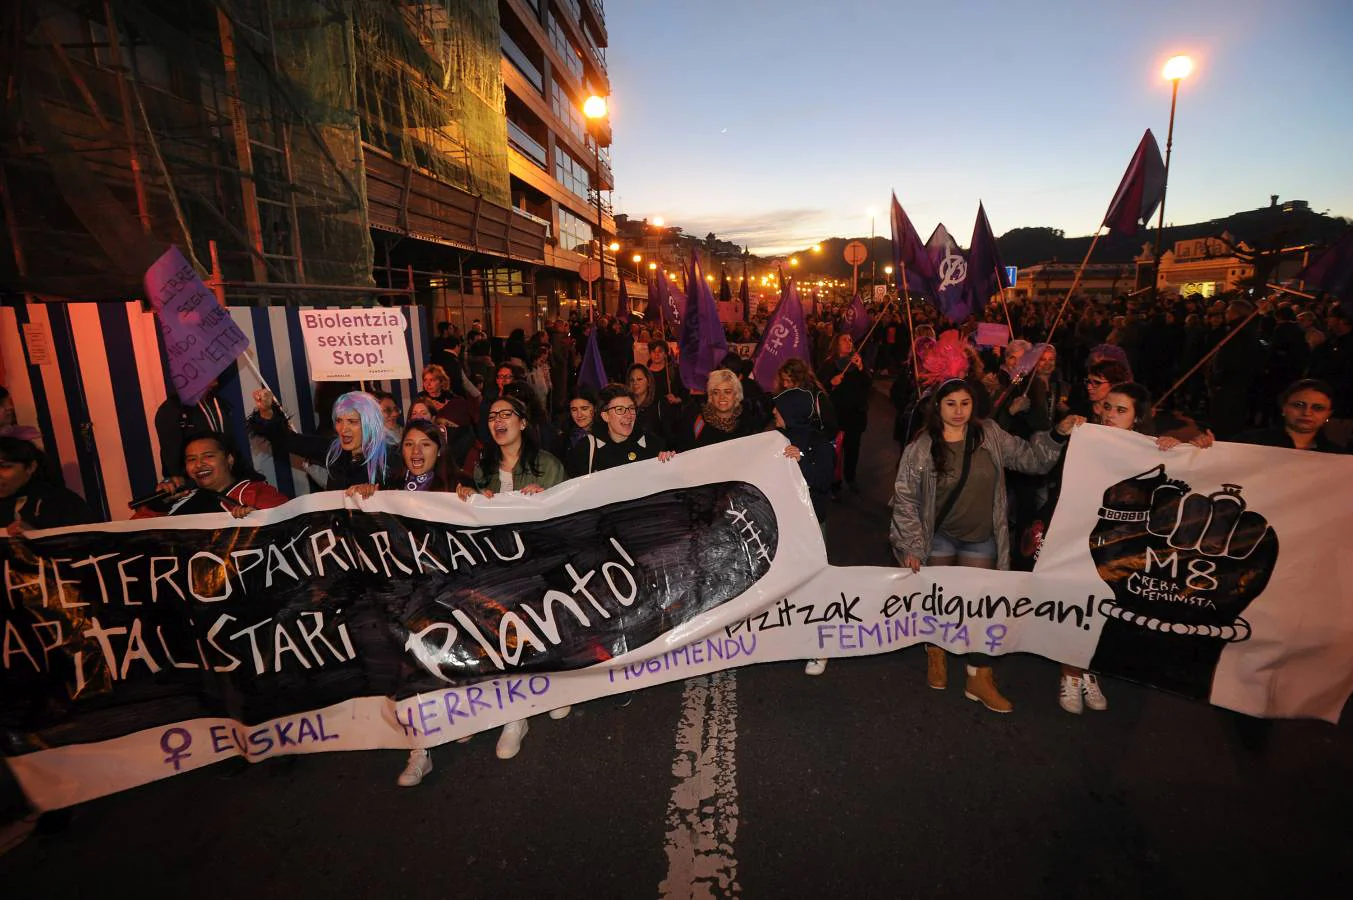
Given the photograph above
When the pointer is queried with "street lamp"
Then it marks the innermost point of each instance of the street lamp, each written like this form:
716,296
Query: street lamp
594,108
1176,69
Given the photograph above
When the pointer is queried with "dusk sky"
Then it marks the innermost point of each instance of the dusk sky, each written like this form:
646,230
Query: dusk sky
777,124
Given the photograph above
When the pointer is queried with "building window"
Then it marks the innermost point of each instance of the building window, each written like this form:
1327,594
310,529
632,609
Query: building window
568,112
570,173
573,60
574,233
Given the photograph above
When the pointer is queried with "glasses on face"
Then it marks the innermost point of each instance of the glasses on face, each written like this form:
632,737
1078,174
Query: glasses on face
501,415
1303,406
1096,382
621,410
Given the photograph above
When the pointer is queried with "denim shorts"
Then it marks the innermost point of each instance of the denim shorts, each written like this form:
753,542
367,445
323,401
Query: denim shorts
943,545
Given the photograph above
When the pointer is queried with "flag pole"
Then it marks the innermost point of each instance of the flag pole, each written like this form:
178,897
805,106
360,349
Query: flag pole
1202,362
1075,282
1001,293
870,333
911,328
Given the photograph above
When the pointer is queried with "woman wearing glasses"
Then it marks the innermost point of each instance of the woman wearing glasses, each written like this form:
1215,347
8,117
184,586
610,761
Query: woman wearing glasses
616,441
513,462
1306,406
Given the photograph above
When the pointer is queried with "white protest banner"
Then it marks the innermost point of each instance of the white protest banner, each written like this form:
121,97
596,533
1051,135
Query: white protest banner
356,344
475,614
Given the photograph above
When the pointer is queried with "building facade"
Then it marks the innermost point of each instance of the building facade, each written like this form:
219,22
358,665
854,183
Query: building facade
309,151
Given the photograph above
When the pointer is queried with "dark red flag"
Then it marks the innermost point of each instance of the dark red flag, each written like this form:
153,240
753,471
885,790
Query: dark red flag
1140,191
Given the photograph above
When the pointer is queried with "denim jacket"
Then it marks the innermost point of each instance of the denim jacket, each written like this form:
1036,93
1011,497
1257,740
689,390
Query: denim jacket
913,527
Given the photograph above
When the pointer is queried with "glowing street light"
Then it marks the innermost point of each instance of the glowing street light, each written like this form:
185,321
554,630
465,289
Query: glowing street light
659,221
1176,69
817,248
637,258
615,245
793,260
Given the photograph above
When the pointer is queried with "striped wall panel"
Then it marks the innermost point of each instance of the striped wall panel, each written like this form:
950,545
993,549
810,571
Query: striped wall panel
95,398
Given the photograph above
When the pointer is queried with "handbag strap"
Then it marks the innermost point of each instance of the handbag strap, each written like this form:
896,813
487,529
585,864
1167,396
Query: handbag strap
952,499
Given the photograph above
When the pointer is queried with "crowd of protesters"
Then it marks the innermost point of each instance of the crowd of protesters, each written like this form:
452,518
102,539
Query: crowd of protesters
981,429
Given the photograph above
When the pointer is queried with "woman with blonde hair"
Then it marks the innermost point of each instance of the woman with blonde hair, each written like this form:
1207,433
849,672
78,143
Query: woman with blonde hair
722,417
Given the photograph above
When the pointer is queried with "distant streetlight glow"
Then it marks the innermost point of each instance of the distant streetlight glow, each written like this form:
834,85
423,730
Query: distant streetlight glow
817,248
793,260
659,221
637,258
887,270
614,246
652,266
1177,67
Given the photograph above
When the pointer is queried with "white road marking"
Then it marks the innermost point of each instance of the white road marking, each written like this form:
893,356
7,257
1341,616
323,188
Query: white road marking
702,815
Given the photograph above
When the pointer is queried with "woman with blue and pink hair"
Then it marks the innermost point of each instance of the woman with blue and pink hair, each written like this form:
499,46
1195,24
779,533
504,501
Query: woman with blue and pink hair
358,454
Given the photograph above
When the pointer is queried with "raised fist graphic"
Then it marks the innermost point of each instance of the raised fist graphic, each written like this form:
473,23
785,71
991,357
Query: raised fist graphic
1182,567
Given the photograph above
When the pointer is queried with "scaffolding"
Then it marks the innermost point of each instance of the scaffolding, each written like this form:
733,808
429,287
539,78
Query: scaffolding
132,124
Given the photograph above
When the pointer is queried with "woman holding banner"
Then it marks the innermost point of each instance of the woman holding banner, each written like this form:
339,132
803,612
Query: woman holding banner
950,506
1127,406
426,468
513,462
356,455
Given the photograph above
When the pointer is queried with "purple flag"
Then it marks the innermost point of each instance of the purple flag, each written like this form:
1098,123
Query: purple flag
672,301
909,254
1140,191
1332,271
200,338
785,338
725,291
951,270
855,320
986,276
622,313
745,295
703,344
592,374
653,313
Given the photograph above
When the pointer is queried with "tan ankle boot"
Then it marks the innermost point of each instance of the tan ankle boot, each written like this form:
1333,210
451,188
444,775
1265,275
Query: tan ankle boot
936,668
981,687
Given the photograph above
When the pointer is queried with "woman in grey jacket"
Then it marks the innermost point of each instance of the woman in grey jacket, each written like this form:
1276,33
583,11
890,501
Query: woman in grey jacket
950,505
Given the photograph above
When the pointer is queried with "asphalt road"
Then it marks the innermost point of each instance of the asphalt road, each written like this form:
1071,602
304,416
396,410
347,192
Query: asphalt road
763,783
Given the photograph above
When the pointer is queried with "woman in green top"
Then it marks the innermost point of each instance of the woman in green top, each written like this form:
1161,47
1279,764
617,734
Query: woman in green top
950,505
513,462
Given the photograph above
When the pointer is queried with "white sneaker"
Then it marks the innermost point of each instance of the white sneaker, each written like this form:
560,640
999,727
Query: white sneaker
1094,697
420,763
815,667
509,742
560,713
1070,698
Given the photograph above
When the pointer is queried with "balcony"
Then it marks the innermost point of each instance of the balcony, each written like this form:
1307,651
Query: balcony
527,145
519,60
